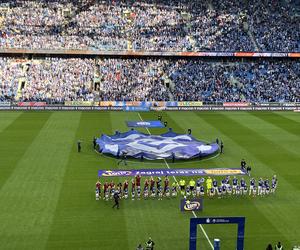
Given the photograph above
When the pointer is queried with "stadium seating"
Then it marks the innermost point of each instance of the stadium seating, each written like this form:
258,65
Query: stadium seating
56,80
151,25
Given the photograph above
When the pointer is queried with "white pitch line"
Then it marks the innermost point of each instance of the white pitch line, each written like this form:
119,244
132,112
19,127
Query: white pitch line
205,234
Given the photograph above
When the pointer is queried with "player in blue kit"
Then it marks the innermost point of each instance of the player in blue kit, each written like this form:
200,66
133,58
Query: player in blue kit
242,184
167,192
260,187
252,184
187,191
219,191
263,189
106,193
153,192
201,190
160,193
174,189
112,191
234,184
215,185
146,192
274,184
267,186
245,189
254,191
229,190
238,190
227,181
224,189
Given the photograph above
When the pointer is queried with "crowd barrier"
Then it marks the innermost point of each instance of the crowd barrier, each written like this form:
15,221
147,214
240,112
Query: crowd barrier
93,52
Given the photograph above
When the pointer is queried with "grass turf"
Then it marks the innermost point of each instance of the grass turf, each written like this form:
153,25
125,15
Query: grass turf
47,189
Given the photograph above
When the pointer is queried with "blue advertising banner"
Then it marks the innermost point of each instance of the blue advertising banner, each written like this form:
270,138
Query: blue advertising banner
191,204
145,124
172,172
133,108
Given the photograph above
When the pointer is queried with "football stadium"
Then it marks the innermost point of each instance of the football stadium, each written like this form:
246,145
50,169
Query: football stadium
150,125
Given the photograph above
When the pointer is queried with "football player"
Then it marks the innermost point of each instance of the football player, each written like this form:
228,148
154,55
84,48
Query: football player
160,193
215,185
97,194
152,183
274,182
229,190
132,189
146,192
234,184
125,188
242,184
254,191
237,189
166,184
252,185
174,189
260,184
106,193
187,191
138,192
98,187
219,191
138,181
167,192
201,190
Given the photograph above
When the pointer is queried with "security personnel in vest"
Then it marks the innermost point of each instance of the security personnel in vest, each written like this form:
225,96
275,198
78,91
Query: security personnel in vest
182,186
278,246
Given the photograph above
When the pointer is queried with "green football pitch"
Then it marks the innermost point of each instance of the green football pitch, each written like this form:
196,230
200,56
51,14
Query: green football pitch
47,198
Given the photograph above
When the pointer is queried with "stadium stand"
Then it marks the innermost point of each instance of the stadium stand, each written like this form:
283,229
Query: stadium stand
151,25
56,80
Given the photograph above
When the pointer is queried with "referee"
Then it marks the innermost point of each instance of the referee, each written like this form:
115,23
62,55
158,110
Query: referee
116,198
182,186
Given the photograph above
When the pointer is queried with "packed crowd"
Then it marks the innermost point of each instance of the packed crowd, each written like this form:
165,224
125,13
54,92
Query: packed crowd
56,80
149,25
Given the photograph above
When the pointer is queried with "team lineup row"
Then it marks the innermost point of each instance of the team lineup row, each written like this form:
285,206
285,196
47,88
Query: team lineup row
199,188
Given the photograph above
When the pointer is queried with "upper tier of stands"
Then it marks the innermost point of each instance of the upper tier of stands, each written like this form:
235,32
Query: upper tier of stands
164,25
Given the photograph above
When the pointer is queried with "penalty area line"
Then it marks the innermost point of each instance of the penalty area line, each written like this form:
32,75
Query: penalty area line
201,227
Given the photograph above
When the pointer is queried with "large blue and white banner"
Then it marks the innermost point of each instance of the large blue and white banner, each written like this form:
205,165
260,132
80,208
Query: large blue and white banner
172,172
165,146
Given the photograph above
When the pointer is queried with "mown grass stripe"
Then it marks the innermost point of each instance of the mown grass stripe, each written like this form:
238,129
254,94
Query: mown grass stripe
16,138
279,121
270,131
78,215
30,195
6,118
